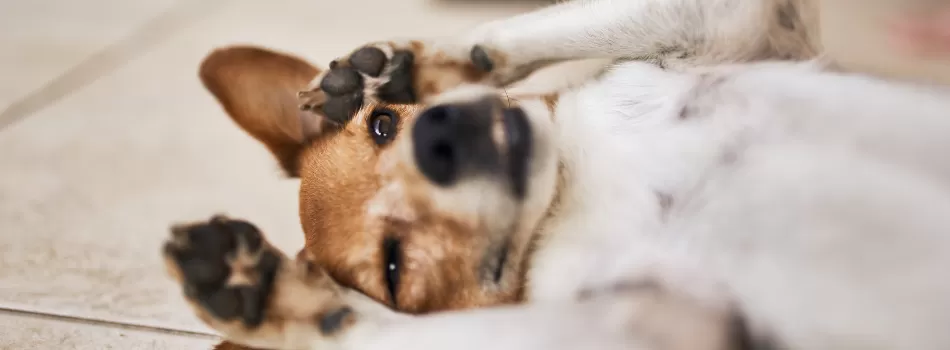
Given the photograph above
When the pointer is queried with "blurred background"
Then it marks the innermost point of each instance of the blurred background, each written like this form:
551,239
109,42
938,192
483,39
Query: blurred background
107,137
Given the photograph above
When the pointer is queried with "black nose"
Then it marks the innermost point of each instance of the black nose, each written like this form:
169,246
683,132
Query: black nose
451,140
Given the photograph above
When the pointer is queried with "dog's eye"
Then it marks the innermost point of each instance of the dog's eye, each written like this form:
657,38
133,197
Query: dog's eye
392,264
382,126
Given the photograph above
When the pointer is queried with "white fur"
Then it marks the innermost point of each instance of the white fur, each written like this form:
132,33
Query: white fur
819,200
816,202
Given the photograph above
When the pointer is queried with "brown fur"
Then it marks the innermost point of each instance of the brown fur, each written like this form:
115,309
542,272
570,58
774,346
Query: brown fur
344,173
337,166
234,76
436,72
355,195
551,101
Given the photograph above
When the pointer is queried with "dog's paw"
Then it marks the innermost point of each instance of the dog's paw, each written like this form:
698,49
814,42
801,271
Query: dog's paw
402,73
243,287
225,267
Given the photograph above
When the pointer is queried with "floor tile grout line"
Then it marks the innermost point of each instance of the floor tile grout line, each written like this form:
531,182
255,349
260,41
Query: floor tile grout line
40,311
110,58
107,323
97,65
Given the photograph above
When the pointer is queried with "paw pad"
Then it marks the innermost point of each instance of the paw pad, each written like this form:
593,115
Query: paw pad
399,88
369,60
211,256
345,83
344,94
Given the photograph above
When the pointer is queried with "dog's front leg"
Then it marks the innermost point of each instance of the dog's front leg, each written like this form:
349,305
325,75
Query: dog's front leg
244,288
505,51
711,31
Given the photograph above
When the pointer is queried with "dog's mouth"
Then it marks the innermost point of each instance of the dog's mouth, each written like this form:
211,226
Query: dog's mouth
484,138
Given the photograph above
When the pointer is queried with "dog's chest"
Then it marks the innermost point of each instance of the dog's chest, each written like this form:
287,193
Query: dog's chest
631,158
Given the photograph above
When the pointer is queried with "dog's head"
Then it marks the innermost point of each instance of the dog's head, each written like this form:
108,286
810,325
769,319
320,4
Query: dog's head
423,209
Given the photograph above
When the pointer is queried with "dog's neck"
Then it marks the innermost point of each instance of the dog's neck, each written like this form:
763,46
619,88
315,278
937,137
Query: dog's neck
597,194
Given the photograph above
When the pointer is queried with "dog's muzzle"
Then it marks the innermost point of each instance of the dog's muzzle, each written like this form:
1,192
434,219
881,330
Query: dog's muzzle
452,142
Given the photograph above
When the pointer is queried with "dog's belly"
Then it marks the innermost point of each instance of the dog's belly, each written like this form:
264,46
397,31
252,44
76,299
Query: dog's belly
630,156
826,248
820,212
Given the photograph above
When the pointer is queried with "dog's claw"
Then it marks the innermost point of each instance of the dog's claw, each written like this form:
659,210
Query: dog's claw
311,100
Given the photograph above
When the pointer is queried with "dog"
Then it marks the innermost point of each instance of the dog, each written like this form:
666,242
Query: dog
716,186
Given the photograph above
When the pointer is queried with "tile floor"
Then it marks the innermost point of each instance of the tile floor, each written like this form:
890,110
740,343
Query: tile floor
106,137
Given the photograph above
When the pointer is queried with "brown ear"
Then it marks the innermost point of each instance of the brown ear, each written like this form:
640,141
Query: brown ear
258,89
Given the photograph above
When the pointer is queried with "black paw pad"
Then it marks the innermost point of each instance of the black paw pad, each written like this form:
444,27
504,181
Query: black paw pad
340,109
399,89
341,81
254,298
247,303
481,59
204,265
344,89
369,61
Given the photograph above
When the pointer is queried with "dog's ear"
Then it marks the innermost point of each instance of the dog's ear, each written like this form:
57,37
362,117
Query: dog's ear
258,89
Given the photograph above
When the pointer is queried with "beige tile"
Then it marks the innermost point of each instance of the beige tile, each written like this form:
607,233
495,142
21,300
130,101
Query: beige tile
90,184
41,39
28,332
324,30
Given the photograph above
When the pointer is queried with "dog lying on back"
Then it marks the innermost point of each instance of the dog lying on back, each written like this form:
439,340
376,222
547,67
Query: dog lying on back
715,187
